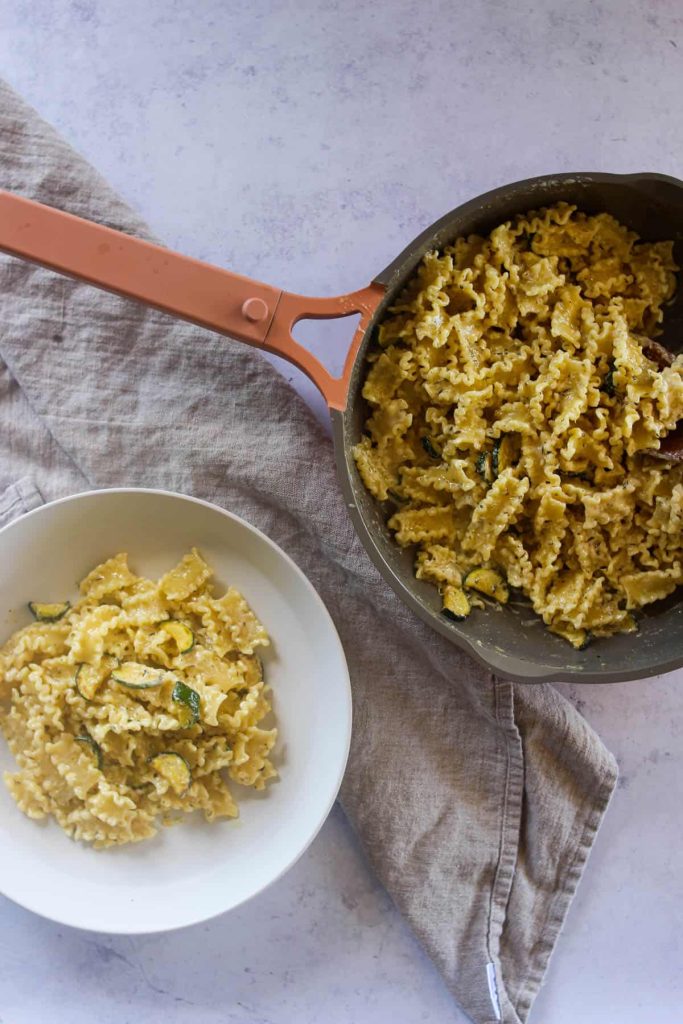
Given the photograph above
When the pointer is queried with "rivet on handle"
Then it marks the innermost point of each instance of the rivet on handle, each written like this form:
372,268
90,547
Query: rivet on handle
255,310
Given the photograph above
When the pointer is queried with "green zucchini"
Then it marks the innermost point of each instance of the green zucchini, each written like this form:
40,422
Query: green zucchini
456,605
608,385
429,448
586,642
189,701
580,639
89,678
583,477
136,676
485,466
396,497
49,612
490,583
88,743
174,769
86,681
505,454
180,632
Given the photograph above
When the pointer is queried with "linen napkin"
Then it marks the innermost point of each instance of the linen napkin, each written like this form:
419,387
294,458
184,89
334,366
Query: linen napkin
477,802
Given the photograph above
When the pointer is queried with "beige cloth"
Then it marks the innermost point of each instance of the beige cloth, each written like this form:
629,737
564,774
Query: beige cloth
477,802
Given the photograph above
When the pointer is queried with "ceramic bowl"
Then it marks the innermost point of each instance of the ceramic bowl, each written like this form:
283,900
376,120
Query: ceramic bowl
196,870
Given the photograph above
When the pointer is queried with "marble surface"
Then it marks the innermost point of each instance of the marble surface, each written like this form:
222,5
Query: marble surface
306,143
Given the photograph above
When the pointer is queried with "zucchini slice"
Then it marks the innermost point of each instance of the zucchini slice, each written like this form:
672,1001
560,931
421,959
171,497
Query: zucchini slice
490,583
89,678
608,385
580,639
136,676
88,743
583,477
430,449
485,466
49,612
456,605
174,769
181,633
397,498
505,454
189,702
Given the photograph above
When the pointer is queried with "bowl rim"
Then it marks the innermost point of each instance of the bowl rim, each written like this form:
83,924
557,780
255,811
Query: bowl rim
189,920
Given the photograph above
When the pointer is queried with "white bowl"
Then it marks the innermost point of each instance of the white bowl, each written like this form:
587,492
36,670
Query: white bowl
194,871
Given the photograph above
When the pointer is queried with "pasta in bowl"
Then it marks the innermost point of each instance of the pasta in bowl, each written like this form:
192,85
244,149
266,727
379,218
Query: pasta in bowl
201,868
123,709
515,393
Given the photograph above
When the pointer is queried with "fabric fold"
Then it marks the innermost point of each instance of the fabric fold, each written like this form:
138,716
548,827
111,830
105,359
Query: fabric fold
17,499
476,801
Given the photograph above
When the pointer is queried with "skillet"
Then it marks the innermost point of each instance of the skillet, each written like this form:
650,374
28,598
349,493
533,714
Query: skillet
511,641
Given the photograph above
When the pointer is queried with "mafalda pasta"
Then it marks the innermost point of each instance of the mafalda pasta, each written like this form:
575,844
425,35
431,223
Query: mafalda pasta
515,392
127,709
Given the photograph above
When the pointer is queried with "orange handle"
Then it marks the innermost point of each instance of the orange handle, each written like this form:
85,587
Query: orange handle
199,292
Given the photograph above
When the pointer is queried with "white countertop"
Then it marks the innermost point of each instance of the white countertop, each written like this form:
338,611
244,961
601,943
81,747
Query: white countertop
306,143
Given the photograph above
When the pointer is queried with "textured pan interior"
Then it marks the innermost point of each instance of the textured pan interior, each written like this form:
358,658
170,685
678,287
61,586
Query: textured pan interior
512,640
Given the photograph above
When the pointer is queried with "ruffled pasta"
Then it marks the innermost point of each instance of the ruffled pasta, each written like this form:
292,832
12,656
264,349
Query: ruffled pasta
85,743
534,338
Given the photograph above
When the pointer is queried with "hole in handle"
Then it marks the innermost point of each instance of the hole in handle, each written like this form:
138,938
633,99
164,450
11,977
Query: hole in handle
328,340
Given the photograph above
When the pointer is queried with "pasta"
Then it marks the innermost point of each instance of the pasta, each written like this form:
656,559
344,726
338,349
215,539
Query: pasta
124,710
514,395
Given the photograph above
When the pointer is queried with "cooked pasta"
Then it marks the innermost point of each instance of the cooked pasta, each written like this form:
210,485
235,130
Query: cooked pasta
514,395
124,710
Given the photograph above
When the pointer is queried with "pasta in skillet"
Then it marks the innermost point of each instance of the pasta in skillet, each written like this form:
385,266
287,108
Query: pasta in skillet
123,710
515,391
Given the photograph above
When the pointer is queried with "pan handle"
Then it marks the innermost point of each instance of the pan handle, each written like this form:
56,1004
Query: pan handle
291,308
209,296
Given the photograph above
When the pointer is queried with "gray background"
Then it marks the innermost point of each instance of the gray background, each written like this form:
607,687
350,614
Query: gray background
305,144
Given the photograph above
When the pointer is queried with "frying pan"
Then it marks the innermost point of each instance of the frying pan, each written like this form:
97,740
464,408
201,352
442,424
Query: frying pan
511,641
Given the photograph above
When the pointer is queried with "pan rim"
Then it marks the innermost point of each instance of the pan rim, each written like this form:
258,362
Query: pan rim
386,277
